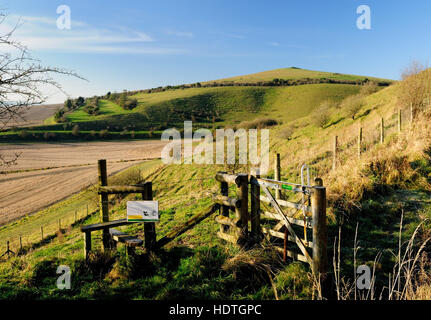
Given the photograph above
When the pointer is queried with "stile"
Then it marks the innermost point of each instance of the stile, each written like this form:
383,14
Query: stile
255,205
103,201
149,227
224,190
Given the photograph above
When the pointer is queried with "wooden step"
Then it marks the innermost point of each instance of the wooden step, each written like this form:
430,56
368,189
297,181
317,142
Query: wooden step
128,240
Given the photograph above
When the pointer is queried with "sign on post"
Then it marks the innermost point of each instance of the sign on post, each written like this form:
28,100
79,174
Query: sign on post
142,211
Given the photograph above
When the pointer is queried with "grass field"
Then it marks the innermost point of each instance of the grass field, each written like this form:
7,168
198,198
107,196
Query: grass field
292,74
371,192
208,107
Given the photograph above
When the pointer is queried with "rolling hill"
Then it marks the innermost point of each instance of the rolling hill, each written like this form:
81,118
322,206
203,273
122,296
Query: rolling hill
208,106
369,192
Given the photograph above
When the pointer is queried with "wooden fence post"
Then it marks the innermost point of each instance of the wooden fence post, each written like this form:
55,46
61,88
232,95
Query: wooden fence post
20,243
87,243
224,190
277,174
103,202
41,232
382,131
76,216
399,120
334,154
320,238
149,227
255,205
243,211
359,142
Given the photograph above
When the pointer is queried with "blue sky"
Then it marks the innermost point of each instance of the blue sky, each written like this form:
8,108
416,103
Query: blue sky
133,45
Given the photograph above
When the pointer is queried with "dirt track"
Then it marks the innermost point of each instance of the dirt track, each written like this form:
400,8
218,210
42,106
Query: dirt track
27,192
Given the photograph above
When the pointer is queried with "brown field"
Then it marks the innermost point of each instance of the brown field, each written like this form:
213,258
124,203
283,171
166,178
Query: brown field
26,192
34,116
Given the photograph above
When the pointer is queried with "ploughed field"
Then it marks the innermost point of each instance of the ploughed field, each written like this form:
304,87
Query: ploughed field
47,173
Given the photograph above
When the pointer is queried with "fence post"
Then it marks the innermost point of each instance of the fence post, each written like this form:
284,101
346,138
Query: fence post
76,216
87,243
243,211
149,227
41,233
359,142
399,120
104,211
335,151
224,190
277,174
255,205
320,238
20,243
382,131
411,114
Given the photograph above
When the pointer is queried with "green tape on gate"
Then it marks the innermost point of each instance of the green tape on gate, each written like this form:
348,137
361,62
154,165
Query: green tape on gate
287,187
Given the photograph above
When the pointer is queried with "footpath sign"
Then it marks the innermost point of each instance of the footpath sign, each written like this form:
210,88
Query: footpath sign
142,211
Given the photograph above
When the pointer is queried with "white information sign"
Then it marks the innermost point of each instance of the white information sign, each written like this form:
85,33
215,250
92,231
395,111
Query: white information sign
144,211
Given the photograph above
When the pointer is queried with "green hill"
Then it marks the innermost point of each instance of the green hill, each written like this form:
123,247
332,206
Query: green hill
369,193
208,106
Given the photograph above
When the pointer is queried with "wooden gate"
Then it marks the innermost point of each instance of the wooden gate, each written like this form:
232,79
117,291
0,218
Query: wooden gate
301,238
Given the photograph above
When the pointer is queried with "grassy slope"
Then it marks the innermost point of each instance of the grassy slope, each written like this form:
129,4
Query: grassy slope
160,110
183,190
292,74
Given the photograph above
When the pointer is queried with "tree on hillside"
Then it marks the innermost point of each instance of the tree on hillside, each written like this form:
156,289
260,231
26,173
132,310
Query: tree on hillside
21,79
415,87
68,104
323,114
80,102
352,105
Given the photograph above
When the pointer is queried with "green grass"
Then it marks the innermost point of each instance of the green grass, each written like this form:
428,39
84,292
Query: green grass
192,265
292,74
212,107
107,108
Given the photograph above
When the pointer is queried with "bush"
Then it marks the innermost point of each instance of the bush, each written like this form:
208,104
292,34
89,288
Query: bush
103,133
75,130
259,123
286,133
369,88
130,104
353,104
322,115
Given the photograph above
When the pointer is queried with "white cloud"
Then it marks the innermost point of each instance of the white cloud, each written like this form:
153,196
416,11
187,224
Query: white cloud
41,33
179,33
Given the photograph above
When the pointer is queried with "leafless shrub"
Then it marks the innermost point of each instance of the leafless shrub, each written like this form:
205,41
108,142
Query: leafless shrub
369,88
415,87
21,78
322,114
353,104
